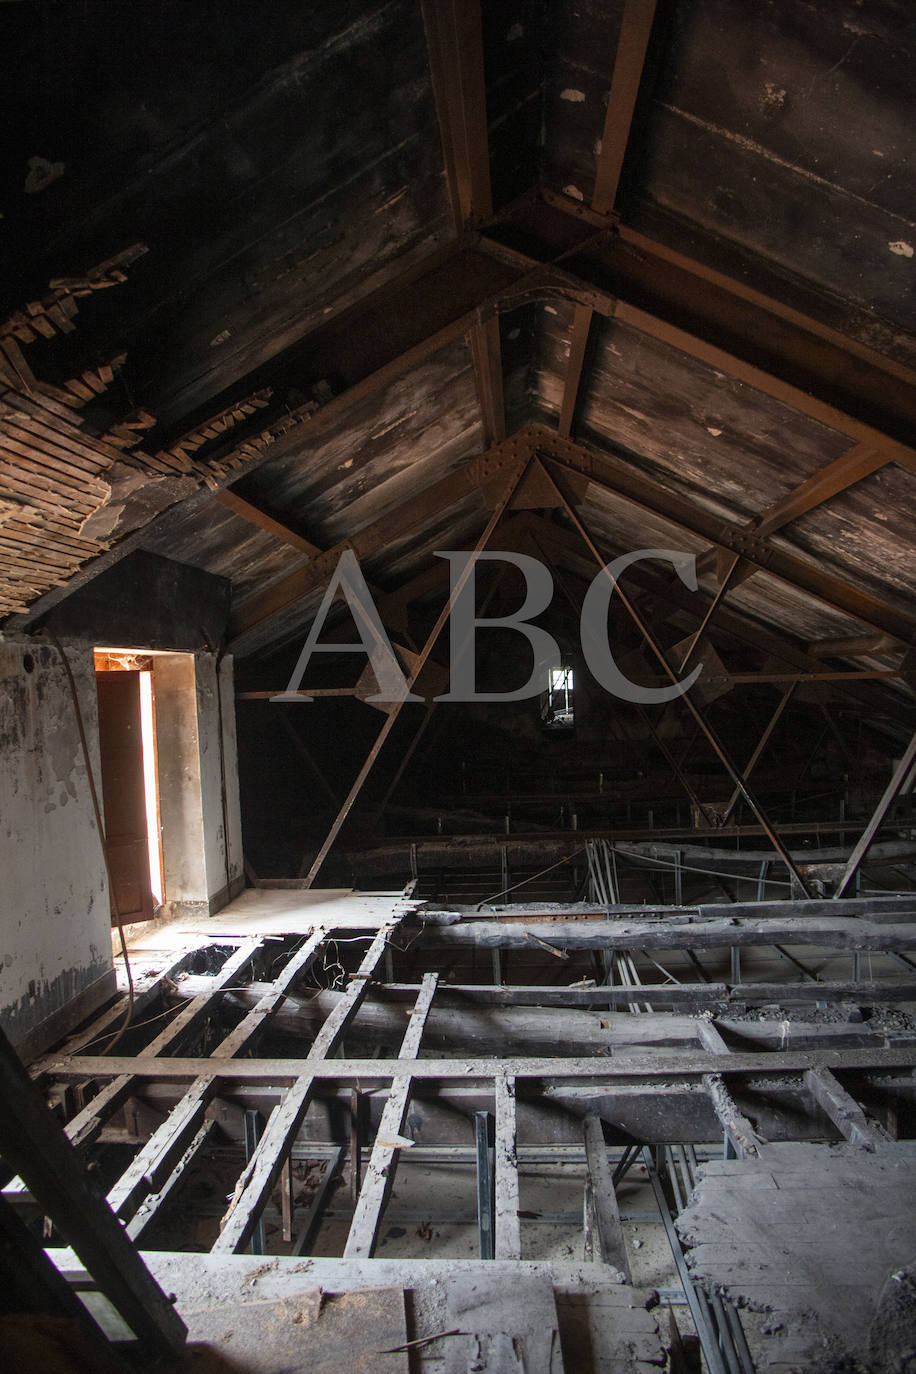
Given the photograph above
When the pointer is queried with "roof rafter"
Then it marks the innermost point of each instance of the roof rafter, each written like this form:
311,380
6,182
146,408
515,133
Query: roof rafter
626,481
831,480
254,515
628,74
454,38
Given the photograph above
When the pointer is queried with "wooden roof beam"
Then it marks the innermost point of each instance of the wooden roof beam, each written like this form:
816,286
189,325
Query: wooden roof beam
377,536
629,69
253,515
831,480
626,481
454,38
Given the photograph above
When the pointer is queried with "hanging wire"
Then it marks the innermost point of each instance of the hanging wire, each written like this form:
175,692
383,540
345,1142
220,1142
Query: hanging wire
102,837
567,858
690,868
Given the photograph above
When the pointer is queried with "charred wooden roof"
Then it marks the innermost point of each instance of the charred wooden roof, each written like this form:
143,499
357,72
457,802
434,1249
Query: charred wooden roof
352,248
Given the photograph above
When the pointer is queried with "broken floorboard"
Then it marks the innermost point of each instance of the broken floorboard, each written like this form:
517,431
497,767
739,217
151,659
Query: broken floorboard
603,1328
770,1233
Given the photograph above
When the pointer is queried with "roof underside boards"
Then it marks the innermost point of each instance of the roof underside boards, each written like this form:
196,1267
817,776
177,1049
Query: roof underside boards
730,450
785,128
695,429
277,159
283,165
617,526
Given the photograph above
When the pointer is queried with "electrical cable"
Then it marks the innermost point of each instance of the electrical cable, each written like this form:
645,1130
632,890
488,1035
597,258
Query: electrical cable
102,838
147,1021
636,859
567,858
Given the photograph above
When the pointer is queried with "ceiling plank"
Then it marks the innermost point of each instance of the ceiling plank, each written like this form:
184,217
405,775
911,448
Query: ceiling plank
852,646
768,383
454,37
578,346
831,480
626,481
255,516
844,472
629,67
377,536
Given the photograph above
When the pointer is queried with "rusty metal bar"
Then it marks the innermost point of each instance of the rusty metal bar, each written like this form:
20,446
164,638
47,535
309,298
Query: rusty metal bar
713,739
629,65
761,745
501,507
890,792
710,611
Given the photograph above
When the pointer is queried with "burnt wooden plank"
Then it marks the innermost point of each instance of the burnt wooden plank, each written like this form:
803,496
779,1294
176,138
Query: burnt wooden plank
267,1005
556,1071
603,1233
379,1179
256,1182
34,1145
836,933
734,1123
843,1110
87,1123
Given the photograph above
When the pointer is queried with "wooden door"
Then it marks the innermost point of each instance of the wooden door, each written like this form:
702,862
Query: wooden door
123,795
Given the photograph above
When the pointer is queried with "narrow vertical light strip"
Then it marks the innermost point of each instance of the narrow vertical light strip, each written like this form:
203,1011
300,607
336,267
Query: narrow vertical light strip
151,784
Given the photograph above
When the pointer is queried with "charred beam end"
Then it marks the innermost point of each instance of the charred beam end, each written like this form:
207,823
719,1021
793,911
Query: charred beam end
734,1123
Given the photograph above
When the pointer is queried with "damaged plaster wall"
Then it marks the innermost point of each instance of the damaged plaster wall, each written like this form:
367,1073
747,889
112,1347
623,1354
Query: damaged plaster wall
54,908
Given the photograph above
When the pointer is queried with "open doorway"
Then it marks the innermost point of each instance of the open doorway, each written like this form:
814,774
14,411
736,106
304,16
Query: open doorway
557,710
130,783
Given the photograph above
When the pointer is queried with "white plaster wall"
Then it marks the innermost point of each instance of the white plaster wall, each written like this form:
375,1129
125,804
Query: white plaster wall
55,926
179,780
201,832
210,744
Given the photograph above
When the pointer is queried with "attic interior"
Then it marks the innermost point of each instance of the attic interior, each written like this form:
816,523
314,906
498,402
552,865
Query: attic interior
560,1016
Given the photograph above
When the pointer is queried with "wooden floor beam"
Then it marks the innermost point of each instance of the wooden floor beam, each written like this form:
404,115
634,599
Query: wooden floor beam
379,1180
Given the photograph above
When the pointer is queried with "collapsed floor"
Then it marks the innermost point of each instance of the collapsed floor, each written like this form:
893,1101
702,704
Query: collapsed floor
533,1138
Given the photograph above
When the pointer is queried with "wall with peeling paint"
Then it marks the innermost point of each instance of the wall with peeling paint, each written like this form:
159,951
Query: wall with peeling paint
55,941
55,931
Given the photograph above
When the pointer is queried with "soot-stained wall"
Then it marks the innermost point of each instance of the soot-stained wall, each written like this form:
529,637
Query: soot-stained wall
55,942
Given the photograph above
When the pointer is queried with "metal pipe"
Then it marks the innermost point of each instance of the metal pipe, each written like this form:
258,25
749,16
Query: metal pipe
711,1352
